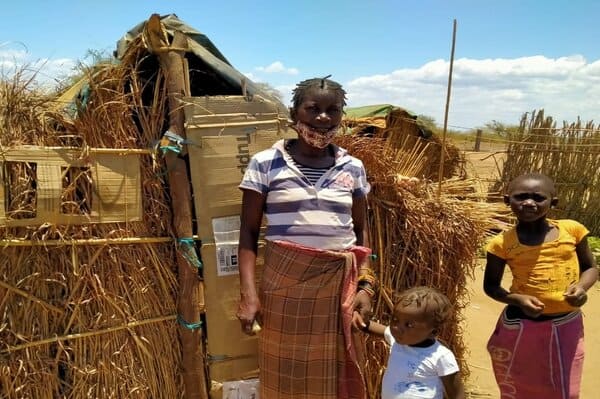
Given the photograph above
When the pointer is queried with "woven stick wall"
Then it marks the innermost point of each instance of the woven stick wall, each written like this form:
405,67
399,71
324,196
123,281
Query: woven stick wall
569,154
419,239
89,310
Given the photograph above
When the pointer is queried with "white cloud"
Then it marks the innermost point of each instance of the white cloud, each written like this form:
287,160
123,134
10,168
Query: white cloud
488,89
251,76
277,67
46,71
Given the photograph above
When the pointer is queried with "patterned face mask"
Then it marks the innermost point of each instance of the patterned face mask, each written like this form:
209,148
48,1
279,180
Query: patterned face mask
313,137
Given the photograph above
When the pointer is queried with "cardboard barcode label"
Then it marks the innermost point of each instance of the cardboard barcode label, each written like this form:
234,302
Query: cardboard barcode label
227,259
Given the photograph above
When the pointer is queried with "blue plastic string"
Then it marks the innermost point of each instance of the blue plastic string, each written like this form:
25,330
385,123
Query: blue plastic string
189,252
189,326
174,148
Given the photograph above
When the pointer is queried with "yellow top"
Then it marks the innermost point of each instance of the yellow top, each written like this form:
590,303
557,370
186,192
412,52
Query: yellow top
544,271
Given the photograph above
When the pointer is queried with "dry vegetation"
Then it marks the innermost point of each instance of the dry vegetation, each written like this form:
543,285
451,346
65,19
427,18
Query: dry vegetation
569,154
88,320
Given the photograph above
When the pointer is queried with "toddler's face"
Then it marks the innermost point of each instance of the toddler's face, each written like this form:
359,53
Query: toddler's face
411,324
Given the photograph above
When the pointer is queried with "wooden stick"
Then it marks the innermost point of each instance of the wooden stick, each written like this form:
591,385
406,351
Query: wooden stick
443,154
190,293
31,297
132,324
84,241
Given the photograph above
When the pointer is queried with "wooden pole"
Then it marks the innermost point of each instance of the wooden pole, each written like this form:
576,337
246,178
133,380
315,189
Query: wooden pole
478,140
443,154
190,286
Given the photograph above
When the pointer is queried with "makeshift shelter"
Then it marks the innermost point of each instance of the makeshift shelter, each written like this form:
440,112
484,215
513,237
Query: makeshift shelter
99,209
118,275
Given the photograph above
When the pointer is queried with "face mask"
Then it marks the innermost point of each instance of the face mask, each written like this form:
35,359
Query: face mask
313,137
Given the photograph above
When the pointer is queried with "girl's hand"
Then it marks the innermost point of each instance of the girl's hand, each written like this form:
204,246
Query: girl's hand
530,305
575,295
248,312
362,309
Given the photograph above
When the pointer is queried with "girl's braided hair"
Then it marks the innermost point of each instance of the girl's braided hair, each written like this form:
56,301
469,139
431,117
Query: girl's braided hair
316,83
436,304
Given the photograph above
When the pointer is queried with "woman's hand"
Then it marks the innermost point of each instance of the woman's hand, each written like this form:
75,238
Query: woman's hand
248,312
362,309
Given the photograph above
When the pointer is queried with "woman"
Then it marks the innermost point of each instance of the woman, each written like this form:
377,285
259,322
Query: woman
315,284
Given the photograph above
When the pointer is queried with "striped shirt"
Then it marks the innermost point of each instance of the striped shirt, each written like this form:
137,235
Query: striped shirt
312,174
316,215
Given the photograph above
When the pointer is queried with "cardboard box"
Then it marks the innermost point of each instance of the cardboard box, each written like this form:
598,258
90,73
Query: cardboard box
224,132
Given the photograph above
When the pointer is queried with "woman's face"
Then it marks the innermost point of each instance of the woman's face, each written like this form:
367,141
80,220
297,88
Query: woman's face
321,109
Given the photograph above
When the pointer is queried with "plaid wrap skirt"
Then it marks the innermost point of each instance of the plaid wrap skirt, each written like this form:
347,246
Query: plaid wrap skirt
306,347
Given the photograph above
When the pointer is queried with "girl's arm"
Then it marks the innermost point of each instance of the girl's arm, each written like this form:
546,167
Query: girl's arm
494,269
492,278
588,274
251,219
588,271
453,386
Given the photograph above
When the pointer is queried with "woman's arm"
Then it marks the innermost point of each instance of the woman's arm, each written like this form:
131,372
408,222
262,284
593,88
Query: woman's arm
362,302
359,219
251,218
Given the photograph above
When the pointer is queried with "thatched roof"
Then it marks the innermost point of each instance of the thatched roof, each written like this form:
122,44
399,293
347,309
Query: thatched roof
383,115
210,73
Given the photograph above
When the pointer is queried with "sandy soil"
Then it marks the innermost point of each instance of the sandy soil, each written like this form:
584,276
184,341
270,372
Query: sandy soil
482,312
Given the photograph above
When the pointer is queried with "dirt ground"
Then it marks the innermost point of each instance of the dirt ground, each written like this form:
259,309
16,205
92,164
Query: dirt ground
482,312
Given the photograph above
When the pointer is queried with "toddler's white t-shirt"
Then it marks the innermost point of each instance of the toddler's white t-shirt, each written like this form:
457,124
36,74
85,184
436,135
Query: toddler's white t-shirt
415,373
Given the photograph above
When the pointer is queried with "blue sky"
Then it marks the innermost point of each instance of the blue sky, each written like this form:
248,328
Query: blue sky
511,56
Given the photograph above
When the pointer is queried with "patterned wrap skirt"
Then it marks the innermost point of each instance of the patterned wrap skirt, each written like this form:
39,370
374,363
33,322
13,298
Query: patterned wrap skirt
538,359
306,346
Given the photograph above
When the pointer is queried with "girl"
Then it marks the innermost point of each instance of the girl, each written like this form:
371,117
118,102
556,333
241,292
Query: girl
419,366
313,195
537,346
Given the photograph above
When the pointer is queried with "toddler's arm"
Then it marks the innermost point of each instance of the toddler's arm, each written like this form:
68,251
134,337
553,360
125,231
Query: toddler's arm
373,327
453,386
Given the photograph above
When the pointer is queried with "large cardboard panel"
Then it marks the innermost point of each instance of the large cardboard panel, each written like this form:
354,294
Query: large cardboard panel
217,162
114,176
227,105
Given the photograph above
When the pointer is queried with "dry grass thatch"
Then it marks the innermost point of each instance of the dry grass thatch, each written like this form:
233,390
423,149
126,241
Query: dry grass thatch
90,320
401,126
570,155
420,239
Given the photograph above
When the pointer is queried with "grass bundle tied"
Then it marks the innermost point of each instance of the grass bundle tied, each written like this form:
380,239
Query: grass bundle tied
419,239
89,320
400,126
570,155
